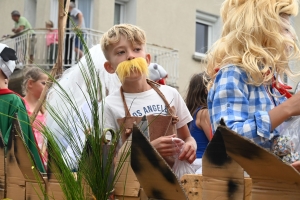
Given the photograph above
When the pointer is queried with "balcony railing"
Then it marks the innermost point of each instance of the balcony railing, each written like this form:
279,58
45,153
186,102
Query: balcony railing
45,57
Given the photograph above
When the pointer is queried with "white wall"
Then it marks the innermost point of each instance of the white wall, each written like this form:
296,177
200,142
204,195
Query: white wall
130,10
30,11
6,7
173,24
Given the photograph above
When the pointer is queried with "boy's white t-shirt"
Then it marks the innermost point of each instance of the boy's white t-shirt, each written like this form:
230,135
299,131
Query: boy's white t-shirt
144,103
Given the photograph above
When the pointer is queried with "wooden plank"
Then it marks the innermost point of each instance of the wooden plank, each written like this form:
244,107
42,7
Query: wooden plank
126,198
223,178
33,191
54,191
131,190
248,188
152,171
24,157
142,196
127,183
126,173
192,184
15,188
271,178
129,177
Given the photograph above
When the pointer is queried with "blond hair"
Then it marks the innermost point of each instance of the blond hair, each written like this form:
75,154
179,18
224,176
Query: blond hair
33,73
252,39
132,33
50,23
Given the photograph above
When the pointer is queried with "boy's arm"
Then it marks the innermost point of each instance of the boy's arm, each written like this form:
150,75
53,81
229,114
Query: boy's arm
189,151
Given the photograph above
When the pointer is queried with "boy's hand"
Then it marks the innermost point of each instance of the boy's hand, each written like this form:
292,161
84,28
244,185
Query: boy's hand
165,145
189,151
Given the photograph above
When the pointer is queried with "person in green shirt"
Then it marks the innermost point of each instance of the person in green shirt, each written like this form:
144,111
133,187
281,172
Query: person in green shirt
12,104
22,24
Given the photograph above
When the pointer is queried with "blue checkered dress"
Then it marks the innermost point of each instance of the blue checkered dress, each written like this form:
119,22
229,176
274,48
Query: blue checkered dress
243,107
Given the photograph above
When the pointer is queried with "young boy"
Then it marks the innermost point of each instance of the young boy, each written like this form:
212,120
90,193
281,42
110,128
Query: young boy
11,104
138,96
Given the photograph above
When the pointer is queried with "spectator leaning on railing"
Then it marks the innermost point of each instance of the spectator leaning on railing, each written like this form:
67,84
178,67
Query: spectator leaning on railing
21,24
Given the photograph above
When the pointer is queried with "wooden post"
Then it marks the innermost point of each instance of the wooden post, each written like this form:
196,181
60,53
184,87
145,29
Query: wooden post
58,67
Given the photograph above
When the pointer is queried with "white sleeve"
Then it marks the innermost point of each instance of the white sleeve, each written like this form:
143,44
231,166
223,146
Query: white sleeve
79,137
181,111
74,12
108,118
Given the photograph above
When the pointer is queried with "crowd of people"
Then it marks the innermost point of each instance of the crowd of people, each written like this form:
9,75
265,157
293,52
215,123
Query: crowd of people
241,85
22,26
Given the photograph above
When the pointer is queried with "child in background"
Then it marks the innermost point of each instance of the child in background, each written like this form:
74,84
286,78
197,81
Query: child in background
12,104
51,42
200,128
244,65
124,48
33,84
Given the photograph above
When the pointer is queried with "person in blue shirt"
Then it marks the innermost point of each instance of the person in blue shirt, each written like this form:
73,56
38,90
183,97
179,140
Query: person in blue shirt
200,128
245,64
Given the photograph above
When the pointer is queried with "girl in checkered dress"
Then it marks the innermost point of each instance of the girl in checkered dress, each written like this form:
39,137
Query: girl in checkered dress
245,64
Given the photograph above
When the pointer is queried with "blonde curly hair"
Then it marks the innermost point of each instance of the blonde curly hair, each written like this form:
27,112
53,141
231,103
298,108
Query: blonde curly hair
253,38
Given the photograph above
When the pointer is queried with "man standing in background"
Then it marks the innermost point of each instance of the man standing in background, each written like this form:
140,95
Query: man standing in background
21,24
77,20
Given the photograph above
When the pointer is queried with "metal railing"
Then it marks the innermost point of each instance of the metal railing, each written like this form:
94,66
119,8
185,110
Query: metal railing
45,56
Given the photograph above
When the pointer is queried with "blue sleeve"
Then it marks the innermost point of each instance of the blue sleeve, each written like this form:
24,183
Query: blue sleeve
230,99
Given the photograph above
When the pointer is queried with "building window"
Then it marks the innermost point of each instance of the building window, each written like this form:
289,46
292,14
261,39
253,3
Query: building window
207,27
119,12
125,11
202,37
